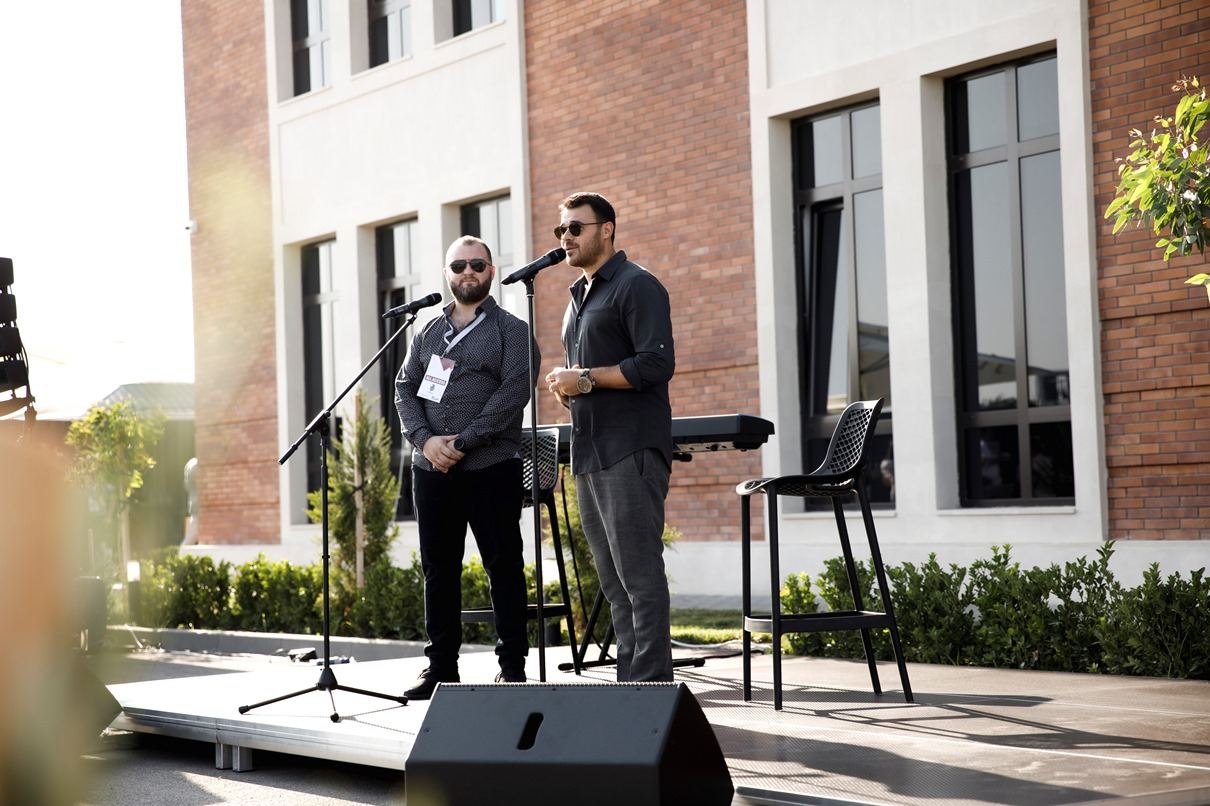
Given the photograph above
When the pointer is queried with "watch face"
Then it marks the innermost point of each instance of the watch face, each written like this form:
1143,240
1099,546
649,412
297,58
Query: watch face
584,384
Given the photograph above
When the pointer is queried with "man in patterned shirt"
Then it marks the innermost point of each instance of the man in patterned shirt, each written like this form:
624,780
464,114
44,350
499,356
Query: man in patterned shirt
460,397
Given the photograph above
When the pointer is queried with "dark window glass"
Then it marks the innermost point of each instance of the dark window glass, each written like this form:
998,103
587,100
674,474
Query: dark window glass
830,336
827,151
397,281
491,221
1050,460
845,342
867,142
1037,100
982,196
472,14
390,30
1042,260
318,381
993,460
874,352
1009,287
979,105
309,31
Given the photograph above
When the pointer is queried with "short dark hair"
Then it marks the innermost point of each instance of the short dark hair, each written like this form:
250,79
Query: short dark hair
471,240
599,204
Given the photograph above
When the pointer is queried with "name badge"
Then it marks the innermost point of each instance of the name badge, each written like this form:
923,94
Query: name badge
436,378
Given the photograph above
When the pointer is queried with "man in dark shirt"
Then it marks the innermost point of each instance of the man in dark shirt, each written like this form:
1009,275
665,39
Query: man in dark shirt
460,397
617,336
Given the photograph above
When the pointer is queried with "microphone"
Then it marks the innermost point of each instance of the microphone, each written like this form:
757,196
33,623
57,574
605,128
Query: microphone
413,306
530,270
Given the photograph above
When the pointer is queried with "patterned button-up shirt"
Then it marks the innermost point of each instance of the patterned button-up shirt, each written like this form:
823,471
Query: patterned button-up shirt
487,392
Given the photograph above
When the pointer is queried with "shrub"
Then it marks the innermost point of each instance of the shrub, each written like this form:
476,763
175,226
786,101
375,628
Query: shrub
279,597
186,591
1074,618
1160,628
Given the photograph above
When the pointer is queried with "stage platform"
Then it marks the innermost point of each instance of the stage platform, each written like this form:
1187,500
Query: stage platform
974,736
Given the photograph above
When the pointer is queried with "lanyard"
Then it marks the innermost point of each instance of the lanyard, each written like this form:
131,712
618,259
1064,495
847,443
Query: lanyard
474,323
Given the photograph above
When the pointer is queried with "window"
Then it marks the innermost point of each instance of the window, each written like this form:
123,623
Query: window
1013,387
492,221
397,281
319,369
844,345
390,30
312,55
472,14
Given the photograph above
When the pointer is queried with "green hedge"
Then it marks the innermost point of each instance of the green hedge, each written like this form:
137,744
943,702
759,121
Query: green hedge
1072,618
195,592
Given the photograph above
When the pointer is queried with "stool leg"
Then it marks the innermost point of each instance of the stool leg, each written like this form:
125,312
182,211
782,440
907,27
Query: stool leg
549,502
745,529
884,590
858,601
774,591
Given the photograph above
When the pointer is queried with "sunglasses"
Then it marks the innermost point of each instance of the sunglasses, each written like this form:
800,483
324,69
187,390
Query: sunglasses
478,264
574,227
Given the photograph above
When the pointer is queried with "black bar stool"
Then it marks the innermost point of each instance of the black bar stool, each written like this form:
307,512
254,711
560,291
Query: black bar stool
839,476
548,475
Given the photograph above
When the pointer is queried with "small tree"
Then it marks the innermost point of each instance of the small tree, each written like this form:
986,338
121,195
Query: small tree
362,492
113,450
1165,182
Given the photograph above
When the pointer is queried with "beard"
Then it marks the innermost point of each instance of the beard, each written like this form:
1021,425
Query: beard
587,254
471,294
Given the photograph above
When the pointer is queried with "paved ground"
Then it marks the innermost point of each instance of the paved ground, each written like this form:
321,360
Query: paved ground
978,736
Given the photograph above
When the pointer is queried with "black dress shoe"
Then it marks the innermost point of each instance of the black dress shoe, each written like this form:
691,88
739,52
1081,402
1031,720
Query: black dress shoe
511,676
426,684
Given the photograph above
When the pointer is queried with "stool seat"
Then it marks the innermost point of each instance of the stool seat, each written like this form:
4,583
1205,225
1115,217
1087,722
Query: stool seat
839,476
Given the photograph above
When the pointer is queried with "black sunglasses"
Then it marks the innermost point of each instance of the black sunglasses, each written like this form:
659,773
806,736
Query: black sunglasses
478,264
574,227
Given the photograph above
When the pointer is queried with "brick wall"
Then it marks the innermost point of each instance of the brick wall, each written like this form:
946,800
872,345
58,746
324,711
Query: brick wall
1156,371
647,104
226,118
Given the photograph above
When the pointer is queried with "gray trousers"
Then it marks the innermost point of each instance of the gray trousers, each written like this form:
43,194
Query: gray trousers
622,513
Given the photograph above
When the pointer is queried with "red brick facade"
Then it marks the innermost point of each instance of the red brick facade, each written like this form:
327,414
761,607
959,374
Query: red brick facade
648,105
1156,372
229,197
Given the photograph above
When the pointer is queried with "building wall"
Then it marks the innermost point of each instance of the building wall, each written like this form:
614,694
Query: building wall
648,105
414,138
226,119
804,62
1153,328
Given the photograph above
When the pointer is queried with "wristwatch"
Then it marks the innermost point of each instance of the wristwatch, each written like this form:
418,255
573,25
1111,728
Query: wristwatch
585,383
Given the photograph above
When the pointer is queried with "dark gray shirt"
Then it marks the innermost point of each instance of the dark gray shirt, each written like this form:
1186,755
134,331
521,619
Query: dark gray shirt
487,390
625,320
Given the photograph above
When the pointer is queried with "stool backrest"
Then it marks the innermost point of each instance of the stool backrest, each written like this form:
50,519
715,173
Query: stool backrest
548,461
851,440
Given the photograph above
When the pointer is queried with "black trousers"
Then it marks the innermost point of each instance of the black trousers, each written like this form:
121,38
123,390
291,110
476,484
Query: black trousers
489,501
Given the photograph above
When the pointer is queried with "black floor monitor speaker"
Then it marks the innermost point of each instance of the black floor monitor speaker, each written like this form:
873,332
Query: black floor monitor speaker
618,744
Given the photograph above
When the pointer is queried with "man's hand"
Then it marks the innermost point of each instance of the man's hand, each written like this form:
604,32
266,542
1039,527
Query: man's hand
441,453
561,381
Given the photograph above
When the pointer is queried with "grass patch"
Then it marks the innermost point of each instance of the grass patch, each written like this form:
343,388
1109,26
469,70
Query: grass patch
709,619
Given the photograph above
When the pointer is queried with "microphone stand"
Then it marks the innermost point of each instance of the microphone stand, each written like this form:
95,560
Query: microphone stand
320,428
540,594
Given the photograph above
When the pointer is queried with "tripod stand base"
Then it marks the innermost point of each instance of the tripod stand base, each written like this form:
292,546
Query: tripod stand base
327,682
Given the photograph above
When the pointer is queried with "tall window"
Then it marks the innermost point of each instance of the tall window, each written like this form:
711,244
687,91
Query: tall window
1014,412
390,30
492,220
844,351
472,14
309,29
319,362
397,280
